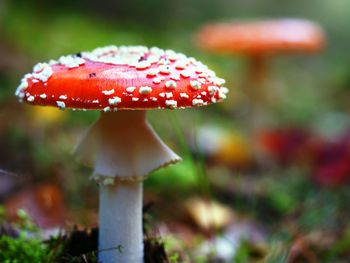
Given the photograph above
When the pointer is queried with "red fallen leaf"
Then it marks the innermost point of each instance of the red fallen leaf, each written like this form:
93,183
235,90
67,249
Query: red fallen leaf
300,251
329,162
284,145
333,174
44,204
332,164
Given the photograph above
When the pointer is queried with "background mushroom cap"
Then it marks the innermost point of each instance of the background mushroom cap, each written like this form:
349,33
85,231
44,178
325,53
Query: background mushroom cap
132,77
260,37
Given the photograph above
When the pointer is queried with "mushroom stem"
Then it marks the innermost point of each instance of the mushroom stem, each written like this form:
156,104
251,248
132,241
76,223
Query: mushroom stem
123,145
120,219
123,149
255,89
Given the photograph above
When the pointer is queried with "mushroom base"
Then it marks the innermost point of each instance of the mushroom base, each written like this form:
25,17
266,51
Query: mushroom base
120,219
123,145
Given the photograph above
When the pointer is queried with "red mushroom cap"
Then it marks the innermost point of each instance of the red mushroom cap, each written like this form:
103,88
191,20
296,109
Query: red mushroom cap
132,77
259,37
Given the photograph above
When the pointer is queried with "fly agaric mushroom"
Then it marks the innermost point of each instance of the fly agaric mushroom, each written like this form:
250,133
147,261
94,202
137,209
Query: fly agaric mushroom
122,82
257,40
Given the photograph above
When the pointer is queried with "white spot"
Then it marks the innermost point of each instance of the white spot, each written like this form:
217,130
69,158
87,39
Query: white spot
63,97
96,101
204,93
45,73
61,104
185,74
145,99
184,95
224,90
195,84
171,103
164,70
153,59
197,102
163,61
108,92
180,65
143,64
39,67
107,109
108,181
173,57
71,61
219,81
202,80
152,73
53,62
154,99
221,95
144,90
157,80
175,77
22,86
135,99
212,89
162,94
30,98
170,84
43,96
114,100
169,95
130,89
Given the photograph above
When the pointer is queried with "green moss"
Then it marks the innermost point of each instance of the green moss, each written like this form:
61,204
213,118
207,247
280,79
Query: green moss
24,249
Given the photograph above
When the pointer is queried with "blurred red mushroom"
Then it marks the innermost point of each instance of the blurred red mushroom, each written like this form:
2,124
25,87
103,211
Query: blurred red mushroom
257,40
